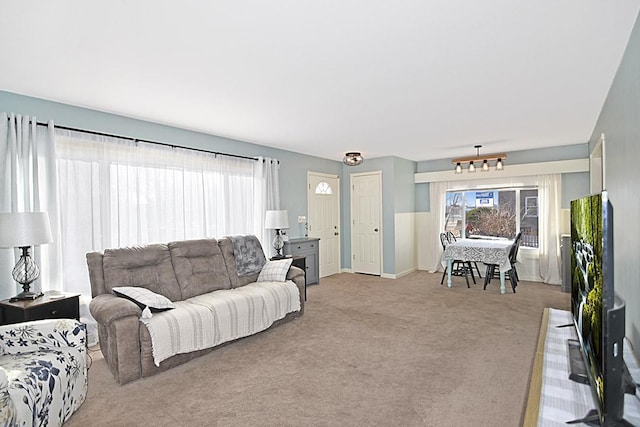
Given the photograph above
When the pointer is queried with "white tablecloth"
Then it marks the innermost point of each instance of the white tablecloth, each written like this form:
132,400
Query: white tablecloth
486,251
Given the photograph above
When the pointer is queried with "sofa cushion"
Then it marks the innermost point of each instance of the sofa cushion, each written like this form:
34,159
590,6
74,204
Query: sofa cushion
213,318
146,267
275,271
199,267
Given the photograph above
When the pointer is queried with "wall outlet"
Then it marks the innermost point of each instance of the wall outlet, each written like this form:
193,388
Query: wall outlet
302,219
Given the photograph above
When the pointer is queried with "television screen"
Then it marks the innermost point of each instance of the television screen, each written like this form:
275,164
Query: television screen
595,311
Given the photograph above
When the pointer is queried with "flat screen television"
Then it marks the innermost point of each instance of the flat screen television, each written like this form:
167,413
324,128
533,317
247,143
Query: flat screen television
598,314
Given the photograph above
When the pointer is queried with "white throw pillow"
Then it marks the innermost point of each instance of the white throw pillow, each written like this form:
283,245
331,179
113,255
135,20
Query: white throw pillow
144,298
275,271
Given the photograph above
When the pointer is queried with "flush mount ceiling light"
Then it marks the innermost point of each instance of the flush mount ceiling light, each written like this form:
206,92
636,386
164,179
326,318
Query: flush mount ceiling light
478,161
353,158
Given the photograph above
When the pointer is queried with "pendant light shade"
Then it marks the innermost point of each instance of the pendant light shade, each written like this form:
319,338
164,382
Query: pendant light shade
478,161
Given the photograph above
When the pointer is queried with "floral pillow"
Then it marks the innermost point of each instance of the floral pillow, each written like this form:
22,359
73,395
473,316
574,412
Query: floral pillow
275,271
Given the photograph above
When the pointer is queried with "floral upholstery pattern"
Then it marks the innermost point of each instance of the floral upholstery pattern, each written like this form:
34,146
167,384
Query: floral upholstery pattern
43,372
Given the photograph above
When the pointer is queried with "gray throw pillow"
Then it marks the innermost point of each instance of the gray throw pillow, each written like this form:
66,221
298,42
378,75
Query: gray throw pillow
275,271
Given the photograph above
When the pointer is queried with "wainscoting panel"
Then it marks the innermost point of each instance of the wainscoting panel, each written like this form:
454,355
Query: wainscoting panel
406,250
423,234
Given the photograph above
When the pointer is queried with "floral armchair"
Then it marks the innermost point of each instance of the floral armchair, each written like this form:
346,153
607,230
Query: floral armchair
43,372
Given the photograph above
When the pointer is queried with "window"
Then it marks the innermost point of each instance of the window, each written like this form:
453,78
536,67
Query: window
531,206
494,212
324,187
116,193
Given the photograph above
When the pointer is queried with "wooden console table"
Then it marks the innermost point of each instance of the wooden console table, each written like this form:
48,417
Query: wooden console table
553,398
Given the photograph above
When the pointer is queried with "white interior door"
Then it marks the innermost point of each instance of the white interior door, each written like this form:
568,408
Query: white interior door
366,222
324,219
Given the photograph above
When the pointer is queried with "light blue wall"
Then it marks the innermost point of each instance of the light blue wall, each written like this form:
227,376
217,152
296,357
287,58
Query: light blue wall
620,122
293,166
574,185
398,196
399,192
397,178
404,185
385,165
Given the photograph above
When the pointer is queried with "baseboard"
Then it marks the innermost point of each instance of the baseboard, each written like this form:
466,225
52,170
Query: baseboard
406,272
388,276
529,278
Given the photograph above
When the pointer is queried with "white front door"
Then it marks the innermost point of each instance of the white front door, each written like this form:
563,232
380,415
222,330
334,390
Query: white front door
324,219
366,222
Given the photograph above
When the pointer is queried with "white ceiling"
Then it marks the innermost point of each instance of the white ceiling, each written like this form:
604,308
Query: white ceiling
417,79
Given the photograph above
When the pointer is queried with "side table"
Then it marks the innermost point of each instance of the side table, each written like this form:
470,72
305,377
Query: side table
49,306
307,247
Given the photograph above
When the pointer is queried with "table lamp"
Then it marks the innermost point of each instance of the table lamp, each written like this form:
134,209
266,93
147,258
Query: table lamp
23,230
277,220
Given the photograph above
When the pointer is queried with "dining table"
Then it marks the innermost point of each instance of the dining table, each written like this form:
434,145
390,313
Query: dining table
488,251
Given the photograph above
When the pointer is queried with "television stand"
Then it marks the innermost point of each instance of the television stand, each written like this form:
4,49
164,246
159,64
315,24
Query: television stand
593,419
554,400
577,368
579,375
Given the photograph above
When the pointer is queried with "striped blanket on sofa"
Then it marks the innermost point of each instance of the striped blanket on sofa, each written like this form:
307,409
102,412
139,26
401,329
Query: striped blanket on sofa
210,319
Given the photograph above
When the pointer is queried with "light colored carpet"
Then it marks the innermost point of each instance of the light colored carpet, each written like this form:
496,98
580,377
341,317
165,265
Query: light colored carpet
368,351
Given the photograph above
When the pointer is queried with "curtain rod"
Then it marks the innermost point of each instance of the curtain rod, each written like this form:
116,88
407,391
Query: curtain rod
147,141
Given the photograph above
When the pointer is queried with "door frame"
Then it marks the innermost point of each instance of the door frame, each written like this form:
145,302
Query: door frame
597,167
380,209
310,193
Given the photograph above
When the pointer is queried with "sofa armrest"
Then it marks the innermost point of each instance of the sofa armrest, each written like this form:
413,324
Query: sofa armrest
43,334
119,332
107,308
294,272
297,275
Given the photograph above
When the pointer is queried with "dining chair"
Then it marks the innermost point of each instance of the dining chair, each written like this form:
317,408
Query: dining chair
458,267
494,273
513,260
452,238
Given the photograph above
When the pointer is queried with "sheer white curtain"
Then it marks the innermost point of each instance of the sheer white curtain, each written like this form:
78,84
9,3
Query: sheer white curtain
28,182
437,194
549,222
267,176
116,192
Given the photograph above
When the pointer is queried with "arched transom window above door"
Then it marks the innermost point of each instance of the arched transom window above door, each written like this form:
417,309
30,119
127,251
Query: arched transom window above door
323,187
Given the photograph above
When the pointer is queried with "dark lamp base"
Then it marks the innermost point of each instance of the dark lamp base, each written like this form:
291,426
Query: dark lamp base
22,296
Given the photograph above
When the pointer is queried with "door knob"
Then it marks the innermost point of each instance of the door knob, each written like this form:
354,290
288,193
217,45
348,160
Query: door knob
335,234
375,229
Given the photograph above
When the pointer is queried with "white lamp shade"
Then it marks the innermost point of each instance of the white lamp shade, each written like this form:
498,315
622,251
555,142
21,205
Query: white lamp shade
18,229
276,220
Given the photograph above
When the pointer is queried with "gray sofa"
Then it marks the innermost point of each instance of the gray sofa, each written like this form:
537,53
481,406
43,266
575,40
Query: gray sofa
177,270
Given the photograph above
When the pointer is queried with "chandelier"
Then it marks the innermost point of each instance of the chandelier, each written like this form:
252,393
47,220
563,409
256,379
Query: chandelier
479,162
